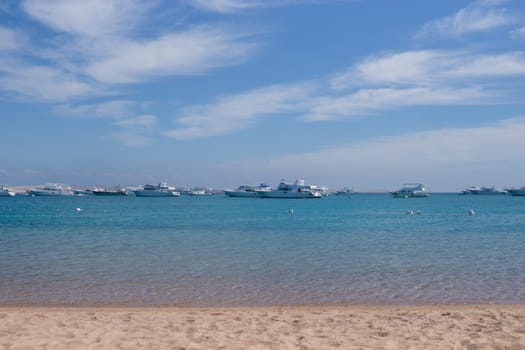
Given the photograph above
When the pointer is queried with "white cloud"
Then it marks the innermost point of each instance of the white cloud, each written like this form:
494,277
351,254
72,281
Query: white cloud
227,6
240,111
131,139
478,16
399,80
91,18
467,156
117,109
182,53
508,64
141,121
430,68
367,101
518,33
9,39
230,6
41,82
96,47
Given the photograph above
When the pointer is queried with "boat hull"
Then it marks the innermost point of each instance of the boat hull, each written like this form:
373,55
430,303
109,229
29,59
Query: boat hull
149,193
243,194
516,192
288,194
110,193
6,194
47,193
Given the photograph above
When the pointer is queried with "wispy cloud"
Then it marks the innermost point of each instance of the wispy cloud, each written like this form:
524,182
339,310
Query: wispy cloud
518,33
230,6
239,111
369,101
132,129
383,83
183,53
117,109
420,156
94,18
141,121
9,39
96,47
53,84
478,16
429,67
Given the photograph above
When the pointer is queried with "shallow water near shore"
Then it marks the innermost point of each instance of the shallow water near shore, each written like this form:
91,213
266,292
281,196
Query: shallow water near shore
246,251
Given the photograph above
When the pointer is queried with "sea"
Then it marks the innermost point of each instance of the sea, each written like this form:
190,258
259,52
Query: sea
365,249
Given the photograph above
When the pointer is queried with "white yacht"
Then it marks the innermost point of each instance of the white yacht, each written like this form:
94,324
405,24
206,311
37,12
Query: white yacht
516,191
295,190
109,191
482,191
344,192
160,190
6,191
51,189
411,191
200,191
247,190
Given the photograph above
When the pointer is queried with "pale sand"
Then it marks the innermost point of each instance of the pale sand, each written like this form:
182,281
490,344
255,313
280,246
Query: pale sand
290,327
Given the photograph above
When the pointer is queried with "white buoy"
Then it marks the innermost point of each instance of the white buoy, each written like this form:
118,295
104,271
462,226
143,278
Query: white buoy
471,212
410,212
78,209
290,211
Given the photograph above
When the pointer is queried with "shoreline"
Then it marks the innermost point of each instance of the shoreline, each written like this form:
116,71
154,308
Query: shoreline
473,326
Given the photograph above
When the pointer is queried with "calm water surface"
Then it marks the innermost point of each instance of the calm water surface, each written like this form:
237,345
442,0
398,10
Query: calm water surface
247,251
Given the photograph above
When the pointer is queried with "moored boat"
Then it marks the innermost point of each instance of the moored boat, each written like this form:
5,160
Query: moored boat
411,191
6,191
516,191
247,190
295,190
115,191
51,189
484,191
160,190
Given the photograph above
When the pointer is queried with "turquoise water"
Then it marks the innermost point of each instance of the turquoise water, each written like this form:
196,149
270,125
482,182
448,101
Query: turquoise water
247,251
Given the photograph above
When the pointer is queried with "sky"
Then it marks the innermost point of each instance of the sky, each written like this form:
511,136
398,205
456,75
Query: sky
365,94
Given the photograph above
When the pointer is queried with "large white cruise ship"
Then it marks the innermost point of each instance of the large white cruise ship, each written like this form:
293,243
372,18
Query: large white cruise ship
51,189
160,190
295,190
6,191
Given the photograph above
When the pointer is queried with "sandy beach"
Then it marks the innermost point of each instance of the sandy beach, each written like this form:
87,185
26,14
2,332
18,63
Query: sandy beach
289,327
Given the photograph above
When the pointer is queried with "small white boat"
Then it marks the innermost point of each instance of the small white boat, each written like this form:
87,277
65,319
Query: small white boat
247,190
483,191
6,191
160,190
411,191
51,189
295,190
112,191
344,192
200,191
516,191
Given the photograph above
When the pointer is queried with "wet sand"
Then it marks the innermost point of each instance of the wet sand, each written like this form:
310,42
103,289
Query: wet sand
288,327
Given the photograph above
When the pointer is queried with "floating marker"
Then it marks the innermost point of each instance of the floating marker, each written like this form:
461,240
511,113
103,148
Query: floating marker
78,209
410,212
419,212
290,211
471,212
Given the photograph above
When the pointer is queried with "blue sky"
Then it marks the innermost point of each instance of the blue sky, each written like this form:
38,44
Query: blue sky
366,94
